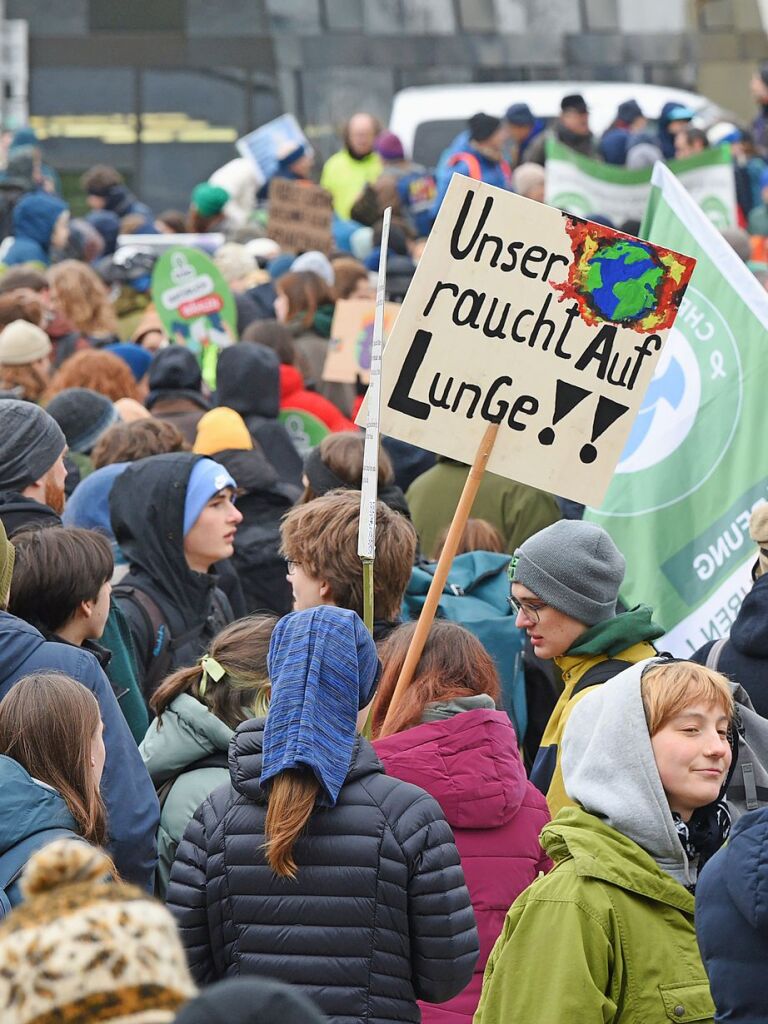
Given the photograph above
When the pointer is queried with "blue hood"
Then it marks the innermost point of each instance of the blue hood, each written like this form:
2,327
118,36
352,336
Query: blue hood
18,641
35,216
27,806
746,868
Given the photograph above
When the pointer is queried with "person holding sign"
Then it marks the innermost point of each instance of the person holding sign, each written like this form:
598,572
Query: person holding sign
608,935
565,585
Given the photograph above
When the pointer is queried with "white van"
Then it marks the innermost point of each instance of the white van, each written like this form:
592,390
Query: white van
426,118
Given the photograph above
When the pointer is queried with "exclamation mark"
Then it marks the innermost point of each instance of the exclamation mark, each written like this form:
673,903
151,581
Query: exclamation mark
607,413
567,397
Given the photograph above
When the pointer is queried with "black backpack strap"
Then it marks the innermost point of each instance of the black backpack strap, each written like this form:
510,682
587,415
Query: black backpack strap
218,759
600,673
158,654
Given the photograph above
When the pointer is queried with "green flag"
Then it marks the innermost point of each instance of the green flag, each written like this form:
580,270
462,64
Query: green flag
584,187
695,464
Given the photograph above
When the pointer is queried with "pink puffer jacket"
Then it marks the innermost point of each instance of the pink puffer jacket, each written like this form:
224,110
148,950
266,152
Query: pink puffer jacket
470,764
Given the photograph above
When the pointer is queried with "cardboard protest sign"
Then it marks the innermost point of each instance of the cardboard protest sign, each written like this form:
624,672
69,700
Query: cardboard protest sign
264,147
584,187
300,216
692,470
195,305
547,324
351,341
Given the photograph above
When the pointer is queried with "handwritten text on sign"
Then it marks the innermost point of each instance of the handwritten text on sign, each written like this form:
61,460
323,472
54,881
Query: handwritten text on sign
534,319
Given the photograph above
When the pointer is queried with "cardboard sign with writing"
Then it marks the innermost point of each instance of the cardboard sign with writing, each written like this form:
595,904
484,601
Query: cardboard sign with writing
351,341
543,322
300,216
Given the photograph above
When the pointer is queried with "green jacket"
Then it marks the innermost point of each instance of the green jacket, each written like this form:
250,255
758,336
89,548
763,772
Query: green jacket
606,938
189,732
626,637
516,510
121,671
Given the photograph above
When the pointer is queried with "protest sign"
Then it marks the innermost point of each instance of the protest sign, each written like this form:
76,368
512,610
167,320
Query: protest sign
264,147
351,341
195,305
209,241
693,469
300,216
521,315
585,187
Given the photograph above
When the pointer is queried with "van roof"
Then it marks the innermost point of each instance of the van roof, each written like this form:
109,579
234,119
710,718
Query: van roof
417,105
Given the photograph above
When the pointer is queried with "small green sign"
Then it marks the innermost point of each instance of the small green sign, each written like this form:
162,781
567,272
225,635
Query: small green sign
195,305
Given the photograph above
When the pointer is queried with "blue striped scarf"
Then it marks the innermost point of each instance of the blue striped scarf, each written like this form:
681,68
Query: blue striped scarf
323,668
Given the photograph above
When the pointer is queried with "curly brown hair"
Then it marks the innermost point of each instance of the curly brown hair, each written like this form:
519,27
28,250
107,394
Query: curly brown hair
127,442
100,371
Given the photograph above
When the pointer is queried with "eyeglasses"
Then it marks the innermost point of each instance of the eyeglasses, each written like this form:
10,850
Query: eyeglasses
292,566
530,611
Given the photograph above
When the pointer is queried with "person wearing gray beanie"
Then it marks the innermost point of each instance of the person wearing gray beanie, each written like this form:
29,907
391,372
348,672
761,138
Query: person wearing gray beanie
32,471
83,415
565,584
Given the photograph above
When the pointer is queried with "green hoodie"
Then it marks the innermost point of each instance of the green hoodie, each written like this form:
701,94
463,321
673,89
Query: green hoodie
189,732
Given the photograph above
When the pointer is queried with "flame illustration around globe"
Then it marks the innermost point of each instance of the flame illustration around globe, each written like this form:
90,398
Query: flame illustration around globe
623,280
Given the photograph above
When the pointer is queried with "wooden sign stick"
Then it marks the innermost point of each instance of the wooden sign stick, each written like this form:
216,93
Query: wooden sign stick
445,561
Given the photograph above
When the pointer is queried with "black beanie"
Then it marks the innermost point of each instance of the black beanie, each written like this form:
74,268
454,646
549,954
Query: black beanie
250,1001
174,368
482,126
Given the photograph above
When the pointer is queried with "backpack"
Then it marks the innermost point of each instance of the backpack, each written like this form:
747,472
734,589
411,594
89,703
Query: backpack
13,861
748,786
160,655
476,595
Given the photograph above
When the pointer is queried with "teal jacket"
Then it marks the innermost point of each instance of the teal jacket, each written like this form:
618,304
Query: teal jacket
121,671
188,733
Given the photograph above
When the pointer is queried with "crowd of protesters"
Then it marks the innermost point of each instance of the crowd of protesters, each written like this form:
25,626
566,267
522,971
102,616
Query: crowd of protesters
215,804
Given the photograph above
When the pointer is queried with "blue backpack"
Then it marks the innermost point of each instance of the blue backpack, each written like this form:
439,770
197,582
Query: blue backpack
476,596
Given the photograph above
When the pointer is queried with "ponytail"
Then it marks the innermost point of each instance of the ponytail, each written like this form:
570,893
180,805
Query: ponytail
292,798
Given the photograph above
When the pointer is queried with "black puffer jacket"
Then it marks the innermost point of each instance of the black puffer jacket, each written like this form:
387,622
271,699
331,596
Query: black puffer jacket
378,916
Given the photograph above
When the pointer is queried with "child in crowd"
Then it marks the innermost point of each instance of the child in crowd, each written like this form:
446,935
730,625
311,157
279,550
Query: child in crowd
609,934
198,709
447,737
340,879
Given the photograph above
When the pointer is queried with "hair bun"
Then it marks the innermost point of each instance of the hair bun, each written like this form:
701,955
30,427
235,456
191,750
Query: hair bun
65,862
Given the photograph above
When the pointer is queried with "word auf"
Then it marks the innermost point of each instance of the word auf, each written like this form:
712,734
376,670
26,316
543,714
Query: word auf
446,393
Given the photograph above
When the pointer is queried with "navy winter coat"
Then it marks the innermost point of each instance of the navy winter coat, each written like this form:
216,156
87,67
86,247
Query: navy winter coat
732,922
744,658
377,917
133,813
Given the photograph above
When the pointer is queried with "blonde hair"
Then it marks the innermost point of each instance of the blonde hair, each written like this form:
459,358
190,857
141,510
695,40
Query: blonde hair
667,689
81,295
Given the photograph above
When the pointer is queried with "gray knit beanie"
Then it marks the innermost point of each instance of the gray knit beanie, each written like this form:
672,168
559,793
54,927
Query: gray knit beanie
83,415
574,567
30,442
